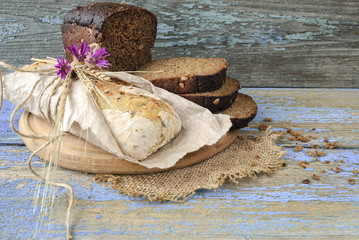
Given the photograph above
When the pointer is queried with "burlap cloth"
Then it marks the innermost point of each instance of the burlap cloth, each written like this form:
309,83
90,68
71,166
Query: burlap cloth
246,157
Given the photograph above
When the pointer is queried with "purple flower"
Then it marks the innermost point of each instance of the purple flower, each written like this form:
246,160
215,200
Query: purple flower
64,67
80,54
96,58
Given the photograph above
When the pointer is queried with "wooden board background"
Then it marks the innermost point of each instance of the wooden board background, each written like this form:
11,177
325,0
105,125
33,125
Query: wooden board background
268,43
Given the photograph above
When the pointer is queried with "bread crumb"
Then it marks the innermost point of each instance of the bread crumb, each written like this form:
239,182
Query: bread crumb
303,164
292,138
306,181
326,162
355,171
331,145
323,171
267,119
298,148
341,161
297,136
351,181
336,169
315,177
314,146
303,139
263,127
315,153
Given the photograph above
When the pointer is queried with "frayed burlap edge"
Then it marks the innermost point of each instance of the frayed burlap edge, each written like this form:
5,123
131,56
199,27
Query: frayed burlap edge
246,157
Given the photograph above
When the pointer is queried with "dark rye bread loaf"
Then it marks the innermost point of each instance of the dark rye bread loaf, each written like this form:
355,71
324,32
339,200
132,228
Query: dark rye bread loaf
242,111
219,99
186,74
127,32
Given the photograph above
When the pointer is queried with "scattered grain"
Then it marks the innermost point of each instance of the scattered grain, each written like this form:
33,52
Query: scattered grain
336,169
267,119
263,127
215,102
306,181
314,146
331,145
298,148
292,138
315,177
315,153
303,164
355,171
351,181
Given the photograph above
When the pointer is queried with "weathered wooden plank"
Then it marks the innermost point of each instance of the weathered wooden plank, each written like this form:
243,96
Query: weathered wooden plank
263,207
326,114
7,135
267,43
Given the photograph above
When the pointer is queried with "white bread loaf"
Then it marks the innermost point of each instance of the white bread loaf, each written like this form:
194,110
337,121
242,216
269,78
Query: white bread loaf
140,121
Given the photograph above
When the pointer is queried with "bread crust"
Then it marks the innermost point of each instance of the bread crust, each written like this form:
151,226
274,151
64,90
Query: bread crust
101,23
195,78
219,100
242,111
193,84
94,15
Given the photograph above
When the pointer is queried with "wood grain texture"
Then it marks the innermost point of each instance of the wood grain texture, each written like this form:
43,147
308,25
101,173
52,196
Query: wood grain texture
277,206
267,43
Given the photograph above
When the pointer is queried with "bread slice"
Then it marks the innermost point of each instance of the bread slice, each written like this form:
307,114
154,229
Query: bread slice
242,111
186,74
219,99
128,32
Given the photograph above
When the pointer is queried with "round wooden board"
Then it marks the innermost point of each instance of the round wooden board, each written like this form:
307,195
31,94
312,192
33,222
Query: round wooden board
77,154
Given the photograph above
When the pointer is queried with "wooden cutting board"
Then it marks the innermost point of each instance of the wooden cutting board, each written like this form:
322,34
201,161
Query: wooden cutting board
79,155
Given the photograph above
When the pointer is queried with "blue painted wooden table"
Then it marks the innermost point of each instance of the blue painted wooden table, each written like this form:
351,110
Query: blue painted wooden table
300,48
279,205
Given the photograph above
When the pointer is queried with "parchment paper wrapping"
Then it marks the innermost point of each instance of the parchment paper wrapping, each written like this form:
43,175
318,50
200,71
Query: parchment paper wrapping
199,126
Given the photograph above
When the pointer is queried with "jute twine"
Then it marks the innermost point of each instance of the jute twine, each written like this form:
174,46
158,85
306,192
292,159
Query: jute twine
246,157
87,76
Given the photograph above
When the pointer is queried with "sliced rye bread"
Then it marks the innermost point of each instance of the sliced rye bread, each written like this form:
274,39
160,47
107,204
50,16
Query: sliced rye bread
242,111
185,74
217,100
